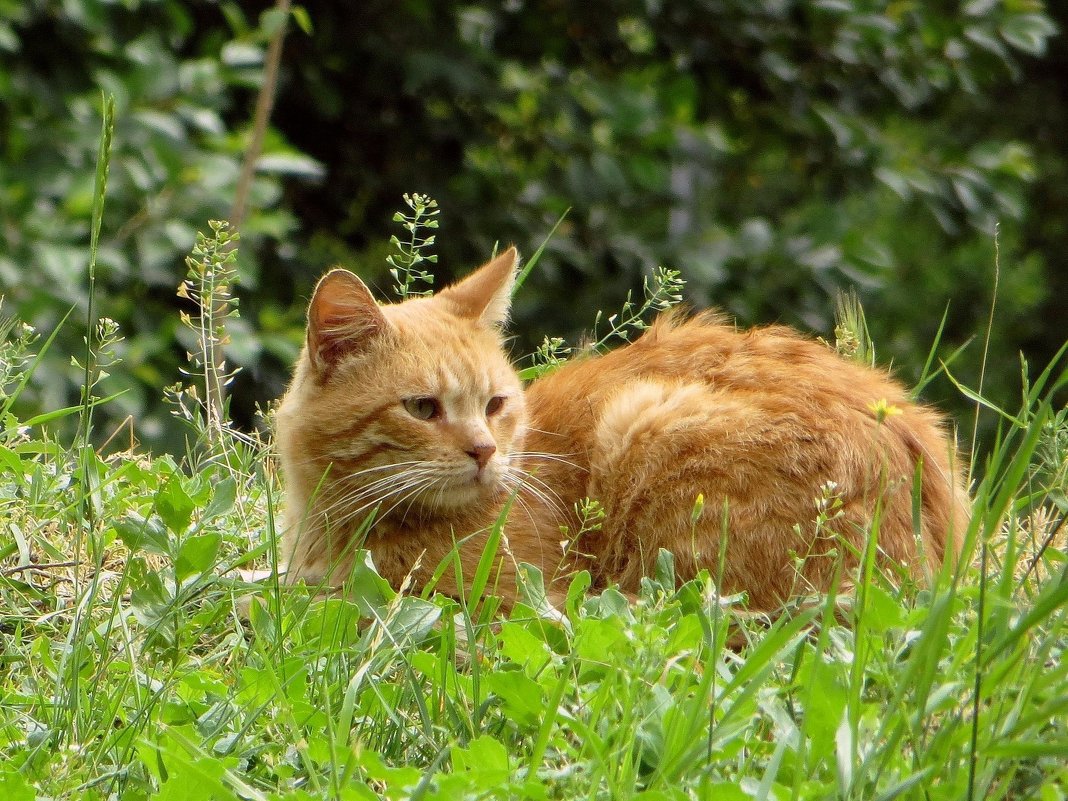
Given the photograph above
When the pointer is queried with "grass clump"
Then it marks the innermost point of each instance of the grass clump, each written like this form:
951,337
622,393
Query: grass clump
135,665
955,691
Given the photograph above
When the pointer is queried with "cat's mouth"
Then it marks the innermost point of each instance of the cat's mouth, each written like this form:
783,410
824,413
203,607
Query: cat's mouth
482,479
469,486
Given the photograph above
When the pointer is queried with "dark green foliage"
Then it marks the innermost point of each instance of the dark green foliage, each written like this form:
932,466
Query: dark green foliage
180,74
774,152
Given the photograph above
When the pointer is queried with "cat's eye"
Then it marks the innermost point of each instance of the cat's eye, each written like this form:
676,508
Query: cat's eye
423,408
496,403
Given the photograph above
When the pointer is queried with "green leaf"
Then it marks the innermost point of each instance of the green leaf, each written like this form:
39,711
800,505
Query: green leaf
141,534
610,603
197,555
194,778
295,165
398,778
598,640
174,505
486,760
825,702
726,791
524,700
366,587
14,787
1023,749
532,591
532,262
10,462
882,612
241,54
906,784
67,411
1028,32
523,648
11,396
152,603
488,560
272,20
222,500
576,591
665,570
303,19
411,619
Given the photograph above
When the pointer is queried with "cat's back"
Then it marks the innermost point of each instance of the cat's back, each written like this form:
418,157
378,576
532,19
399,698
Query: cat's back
769,363
757,421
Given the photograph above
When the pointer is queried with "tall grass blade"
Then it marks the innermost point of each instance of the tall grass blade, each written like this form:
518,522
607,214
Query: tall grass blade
27,374
986,336
533,260
66,719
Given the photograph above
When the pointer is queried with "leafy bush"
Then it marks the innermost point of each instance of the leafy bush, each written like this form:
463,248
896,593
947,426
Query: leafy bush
180,75
772,152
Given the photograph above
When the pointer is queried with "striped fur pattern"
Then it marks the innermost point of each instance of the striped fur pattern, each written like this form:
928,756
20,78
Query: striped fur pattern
406,431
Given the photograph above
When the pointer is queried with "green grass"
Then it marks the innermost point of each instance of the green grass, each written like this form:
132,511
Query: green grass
134,673
138,663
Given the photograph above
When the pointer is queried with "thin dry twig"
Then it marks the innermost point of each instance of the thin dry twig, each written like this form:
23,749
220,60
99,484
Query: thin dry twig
260,118
40,566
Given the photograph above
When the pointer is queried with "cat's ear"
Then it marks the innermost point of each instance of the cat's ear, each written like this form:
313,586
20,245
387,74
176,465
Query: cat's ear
486,294
342,318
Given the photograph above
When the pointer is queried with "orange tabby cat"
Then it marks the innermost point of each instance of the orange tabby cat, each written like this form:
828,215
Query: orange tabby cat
413,411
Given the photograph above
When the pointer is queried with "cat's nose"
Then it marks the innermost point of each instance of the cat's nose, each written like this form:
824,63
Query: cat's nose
481,453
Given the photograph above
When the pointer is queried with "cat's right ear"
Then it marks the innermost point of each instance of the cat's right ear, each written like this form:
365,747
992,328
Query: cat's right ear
486,294
342,318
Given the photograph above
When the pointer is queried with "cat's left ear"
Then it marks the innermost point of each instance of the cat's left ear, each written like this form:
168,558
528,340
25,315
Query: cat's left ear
486,294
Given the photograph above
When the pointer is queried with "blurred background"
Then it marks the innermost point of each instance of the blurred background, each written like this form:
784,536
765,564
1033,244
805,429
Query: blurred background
773,151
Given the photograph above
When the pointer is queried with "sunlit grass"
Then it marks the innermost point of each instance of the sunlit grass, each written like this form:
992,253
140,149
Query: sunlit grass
951,691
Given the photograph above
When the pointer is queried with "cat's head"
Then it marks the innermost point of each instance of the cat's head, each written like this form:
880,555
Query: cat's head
410,406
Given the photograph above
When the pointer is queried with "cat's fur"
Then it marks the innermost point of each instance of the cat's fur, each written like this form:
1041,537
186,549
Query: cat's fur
758,422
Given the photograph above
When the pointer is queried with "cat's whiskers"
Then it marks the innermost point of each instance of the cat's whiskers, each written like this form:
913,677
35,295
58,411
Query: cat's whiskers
543,500
440,496
524,481
340,491
373,487
348,496
551,457
351,497
543,431
410,488
531,478
341,496
411,497
423,502
525,507
334,463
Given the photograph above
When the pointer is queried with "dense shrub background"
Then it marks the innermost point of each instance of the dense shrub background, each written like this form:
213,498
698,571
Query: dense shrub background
773,151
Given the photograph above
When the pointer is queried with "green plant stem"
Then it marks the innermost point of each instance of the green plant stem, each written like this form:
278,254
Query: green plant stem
67,692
